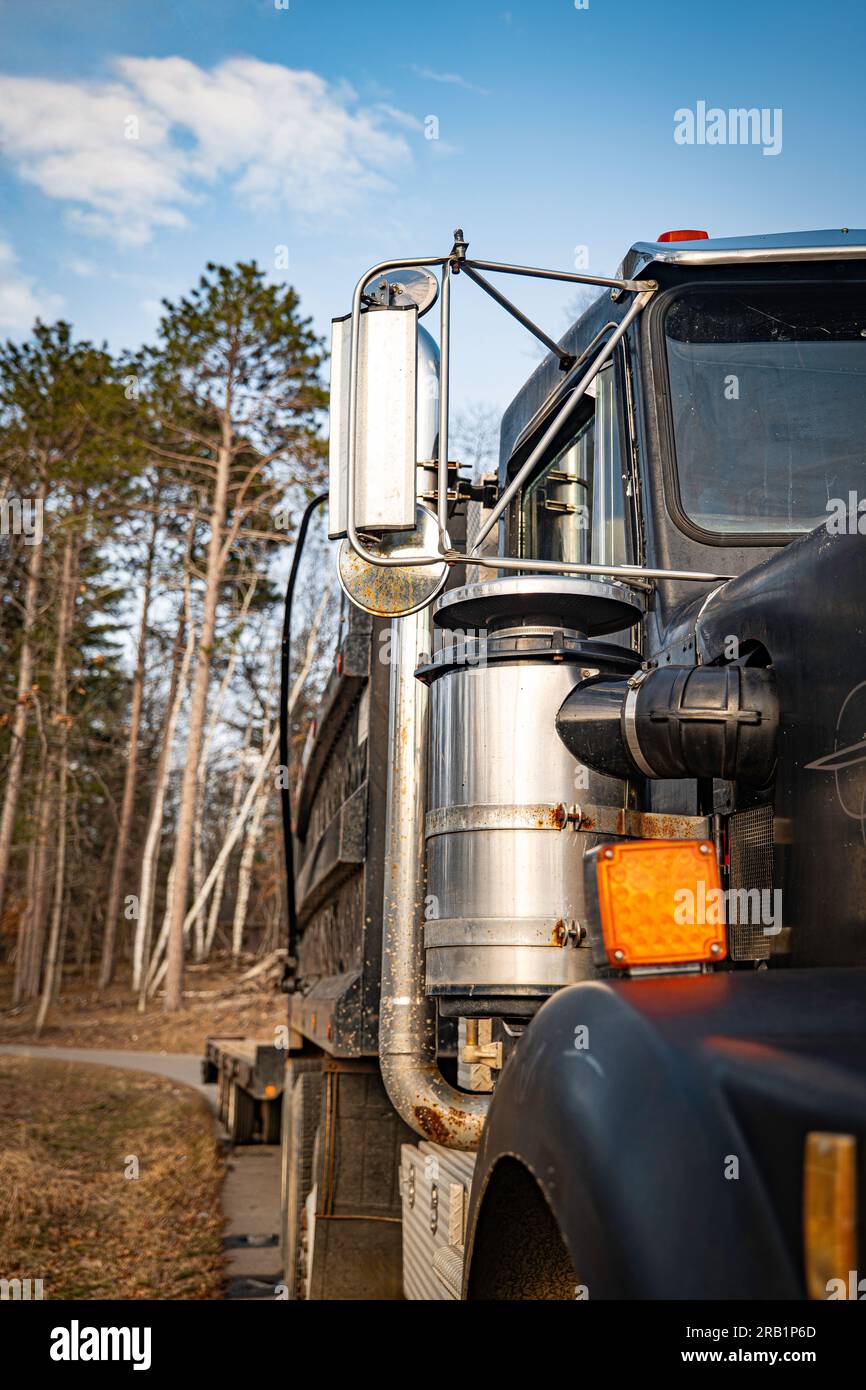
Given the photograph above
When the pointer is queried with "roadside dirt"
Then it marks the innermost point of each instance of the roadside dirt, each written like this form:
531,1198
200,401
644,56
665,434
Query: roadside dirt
109,1183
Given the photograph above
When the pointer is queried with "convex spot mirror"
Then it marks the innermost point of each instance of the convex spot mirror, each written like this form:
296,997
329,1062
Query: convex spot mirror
394,591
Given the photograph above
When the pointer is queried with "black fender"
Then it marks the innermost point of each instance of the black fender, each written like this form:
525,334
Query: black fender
630,1104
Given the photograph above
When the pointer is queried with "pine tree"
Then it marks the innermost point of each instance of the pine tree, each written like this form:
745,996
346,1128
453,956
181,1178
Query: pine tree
232,394
63,411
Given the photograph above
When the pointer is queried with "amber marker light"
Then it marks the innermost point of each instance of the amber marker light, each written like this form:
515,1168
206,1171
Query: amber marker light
660,902
830,1213
683,234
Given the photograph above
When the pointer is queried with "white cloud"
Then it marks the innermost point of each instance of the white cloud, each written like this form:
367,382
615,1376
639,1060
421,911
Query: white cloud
418,127
450,79
134,154
79,266
21,301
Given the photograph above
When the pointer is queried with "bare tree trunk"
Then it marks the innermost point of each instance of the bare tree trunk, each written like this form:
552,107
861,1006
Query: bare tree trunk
22,945
19,723
181,662
59,713
57,905
276,904
39,901
157,967
200,945
64,931
198,875
198,706
128,802
245,871
219,885
235,831
82,937
264,763
21,989
157,964
248,854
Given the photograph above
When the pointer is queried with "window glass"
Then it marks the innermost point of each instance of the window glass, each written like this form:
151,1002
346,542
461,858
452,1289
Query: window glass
608,512
768,394
557,505
574,510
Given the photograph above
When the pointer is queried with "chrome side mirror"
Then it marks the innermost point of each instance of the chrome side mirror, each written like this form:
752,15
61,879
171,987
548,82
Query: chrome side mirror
395,446
384,425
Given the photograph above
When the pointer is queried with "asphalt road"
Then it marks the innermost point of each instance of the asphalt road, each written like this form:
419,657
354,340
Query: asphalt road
177,1066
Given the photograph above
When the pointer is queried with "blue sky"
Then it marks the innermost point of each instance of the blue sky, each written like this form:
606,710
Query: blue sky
304,128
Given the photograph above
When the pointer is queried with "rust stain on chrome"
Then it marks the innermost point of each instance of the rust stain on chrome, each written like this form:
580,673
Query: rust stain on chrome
655,825
439,1126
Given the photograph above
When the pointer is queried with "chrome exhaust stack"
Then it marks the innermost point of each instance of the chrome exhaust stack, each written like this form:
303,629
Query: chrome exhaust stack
407,1017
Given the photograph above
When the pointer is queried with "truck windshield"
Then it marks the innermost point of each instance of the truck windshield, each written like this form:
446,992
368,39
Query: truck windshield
768,395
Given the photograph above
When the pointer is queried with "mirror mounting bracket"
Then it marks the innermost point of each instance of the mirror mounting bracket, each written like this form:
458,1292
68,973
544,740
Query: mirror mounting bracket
455,263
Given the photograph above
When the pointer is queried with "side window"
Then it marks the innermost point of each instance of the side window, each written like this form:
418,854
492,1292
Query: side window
557,504
609,544
574,509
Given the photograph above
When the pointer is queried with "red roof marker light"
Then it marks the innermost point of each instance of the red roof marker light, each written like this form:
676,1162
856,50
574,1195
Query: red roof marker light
684,236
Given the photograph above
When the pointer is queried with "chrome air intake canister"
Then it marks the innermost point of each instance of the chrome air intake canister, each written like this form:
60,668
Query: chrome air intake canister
504,837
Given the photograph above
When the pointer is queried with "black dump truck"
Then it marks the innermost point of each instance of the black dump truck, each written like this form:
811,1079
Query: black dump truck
577,938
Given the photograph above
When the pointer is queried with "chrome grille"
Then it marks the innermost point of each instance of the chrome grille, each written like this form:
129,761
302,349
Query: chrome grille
474,573
750,837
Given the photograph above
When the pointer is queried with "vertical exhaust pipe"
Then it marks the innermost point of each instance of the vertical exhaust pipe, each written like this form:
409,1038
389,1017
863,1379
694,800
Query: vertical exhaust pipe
407,1018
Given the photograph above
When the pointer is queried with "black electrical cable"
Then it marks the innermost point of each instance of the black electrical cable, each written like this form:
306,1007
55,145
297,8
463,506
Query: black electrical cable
285,795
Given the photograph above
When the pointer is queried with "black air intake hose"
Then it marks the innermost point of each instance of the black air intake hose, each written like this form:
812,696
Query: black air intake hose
676,721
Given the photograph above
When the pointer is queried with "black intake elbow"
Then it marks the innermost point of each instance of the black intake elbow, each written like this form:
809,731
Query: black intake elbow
676,721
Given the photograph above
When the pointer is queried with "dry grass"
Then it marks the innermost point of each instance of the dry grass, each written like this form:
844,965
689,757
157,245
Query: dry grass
68,1213
213,1003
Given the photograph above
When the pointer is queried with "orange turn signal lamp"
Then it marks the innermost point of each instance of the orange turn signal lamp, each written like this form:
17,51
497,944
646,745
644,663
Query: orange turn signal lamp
655,902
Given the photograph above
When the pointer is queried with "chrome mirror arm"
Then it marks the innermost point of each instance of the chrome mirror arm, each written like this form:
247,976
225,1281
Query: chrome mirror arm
452,264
